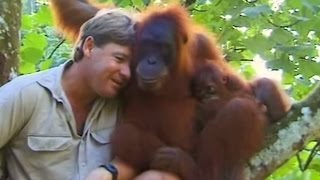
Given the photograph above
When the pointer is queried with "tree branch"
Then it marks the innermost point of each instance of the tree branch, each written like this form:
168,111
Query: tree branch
288,137
283,26
55,49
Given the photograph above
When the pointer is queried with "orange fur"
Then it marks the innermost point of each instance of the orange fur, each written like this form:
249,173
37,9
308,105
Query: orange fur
69,15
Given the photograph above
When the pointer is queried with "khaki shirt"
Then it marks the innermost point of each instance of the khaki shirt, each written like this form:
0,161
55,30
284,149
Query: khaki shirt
38,136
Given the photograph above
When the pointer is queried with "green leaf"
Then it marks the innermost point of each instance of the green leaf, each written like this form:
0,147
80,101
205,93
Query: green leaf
140,4
300,18
146,2
300,88
123,3
46,64
27,68
256,11
299,51
26,22
35,40
314,174
31,55
248,71
284,63
43,16
315,165
201,2
235,64
242,21
312,5
281,36
294,4
309,68
247,54
234,56
230,35
258,43
288,78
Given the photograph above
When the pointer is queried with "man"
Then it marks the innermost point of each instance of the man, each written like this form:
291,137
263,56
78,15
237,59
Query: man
56,124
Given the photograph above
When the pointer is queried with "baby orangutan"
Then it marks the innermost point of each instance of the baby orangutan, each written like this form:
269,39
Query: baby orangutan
233,115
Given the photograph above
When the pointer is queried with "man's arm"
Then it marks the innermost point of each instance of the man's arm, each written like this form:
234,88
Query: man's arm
12,114
11,120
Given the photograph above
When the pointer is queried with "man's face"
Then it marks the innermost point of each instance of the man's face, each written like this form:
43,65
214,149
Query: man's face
108,69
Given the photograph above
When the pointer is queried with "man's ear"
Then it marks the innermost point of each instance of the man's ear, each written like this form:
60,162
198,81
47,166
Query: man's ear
88,45
136,26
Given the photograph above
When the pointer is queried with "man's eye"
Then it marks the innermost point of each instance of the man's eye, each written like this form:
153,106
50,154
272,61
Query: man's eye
119,59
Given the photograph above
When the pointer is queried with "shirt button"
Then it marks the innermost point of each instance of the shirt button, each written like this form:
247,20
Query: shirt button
83,164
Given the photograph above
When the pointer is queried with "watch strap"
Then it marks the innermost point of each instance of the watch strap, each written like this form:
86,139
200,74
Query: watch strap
112,169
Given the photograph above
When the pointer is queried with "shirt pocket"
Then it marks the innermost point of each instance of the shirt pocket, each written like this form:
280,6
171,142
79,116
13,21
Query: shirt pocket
49,143
100,147
102,136
50,156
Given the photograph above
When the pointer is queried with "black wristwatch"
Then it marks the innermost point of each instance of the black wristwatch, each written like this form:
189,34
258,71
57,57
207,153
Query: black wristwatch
112,169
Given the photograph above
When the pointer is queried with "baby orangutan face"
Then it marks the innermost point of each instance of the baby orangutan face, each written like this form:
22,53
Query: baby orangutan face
209,83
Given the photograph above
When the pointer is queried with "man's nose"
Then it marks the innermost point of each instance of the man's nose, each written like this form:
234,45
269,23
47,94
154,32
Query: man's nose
125,71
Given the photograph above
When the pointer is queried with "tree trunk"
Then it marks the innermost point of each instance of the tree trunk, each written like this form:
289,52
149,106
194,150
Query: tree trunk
10,21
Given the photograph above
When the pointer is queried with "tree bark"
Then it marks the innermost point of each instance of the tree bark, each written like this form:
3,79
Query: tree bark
10,21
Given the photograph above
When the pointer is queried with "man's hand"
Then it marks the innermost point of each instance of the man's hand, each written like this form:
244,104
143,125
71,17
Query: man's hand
99,174
125,172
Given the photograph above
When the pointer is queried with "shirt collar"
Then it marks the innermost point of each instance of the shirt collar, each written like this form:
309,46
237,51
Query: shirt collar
53,80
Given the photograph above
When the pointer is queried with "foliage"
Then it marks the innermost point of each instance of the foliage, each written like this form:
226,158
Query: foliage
283,33
39,40
292,171
286,36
